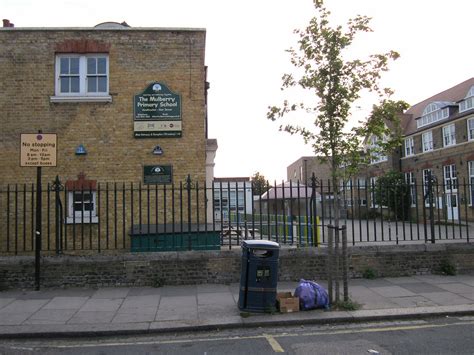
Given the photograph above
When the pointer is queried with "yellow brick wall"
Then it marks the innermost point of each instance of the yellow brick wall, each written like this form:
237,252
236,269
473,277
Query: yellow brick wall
136,58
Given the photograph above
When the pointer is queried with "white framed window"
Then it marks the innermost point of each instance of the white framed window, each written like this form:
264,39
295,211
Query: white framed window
82,207
372,187
360,184
449,135
427,141
471,182
470,129
409,146
82,77
410,180
427,173
450,178
434,112
376,156
468,102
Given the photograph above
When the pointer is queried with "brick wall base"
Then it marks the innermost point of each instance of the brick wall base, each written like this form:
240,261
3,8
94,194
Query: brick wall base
178,268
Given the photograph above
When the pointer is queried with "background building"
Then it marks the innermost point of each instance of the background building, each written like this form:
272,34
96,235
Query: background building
438,141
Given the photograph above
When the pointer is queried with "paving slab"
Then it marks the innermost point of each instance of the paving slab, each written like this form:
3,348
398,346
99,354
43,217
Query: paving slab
221,298
138,302
111,292
469,296
179,290
51,316
176,308
15,318
144,291
89,317
413,301
6,301
419,287
437,279
367,298
392,291
66,303
135,317
403,280
212,288
24,306
457,287
102,304
446,298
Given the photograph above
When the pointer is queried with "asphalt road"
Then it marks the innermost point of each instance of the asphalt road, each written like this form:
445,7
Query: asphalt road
453,335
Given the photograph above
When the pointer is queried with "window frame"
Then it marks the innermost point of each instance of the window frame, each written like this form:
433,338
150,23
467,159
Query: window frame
373,184
84,77
427,147
449,139
409,146
83,216
470,171
425,175
377,157
450,178
470,130
410,180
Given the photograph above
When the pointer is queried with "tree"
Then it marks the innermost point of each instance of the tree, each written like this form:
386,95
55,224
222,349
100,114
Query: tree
392,190
260,184
336,84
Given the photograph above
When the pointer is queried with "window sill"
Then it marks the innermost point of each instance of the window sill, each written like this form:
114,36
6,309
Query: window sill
59,99
79,220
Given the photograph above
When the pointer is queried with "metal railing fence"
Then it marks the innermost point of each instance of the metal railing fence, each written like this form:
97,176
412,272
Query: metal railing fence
103,219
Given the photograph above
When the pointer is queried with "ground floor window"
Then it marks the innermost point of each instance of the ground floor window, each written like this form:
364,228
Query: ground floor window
450,178
410,180
471,182
82,197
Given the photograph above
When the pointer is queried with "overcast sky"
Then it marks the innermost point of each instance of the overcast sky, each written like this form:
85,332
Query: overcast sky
245,53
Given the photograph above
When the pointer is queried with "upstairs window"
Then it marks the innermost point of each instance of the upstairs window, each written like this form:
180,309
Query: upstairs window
449,135
470,129
376,155
427,141
434,112
82,76
468,102
409,147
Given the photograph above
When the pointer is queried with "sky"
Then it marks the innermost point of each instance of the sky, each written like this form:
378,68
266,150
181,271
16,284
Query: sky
246,43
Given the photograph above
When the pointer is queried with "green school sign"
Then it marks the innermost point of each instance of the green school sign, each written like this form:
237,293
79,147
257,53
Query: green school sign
157,112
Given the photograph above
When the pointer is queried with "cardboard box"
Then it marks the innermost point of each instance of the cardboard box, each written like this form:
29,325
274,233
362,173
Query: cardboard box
287,303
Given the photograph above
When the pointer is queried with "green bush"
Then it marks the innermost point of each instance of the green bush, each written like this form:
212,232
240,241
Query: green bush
446,267
369,274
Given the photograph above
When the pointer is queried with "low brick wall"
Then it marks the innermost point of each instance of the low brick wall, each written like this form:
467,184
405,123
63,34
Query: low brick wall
177,268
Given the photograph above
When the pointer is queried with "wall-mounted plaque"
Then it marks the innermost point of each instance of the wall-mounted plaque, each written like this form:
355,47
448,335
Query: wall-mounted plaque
157,174
157,112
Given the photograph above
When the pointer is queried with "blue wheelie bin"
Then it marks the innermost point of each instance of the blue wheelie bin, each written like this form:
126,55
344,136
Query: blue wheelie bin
259,275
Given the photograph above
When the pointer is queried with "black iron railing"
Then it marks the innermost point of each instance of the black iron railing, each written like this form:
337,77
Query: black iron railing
127,216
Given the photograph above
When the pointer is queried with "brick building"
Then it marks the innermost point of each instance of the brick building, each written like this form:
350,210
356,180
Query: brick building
128,107
98,90
438,141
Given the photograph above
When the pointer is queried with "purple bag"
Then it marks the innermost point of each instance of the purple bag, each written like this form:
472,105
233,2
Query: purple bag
311,295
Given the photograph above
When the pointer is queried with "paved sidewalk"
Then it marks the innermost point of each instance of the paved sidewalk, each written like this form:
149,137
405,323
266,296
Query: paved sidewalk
125,310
